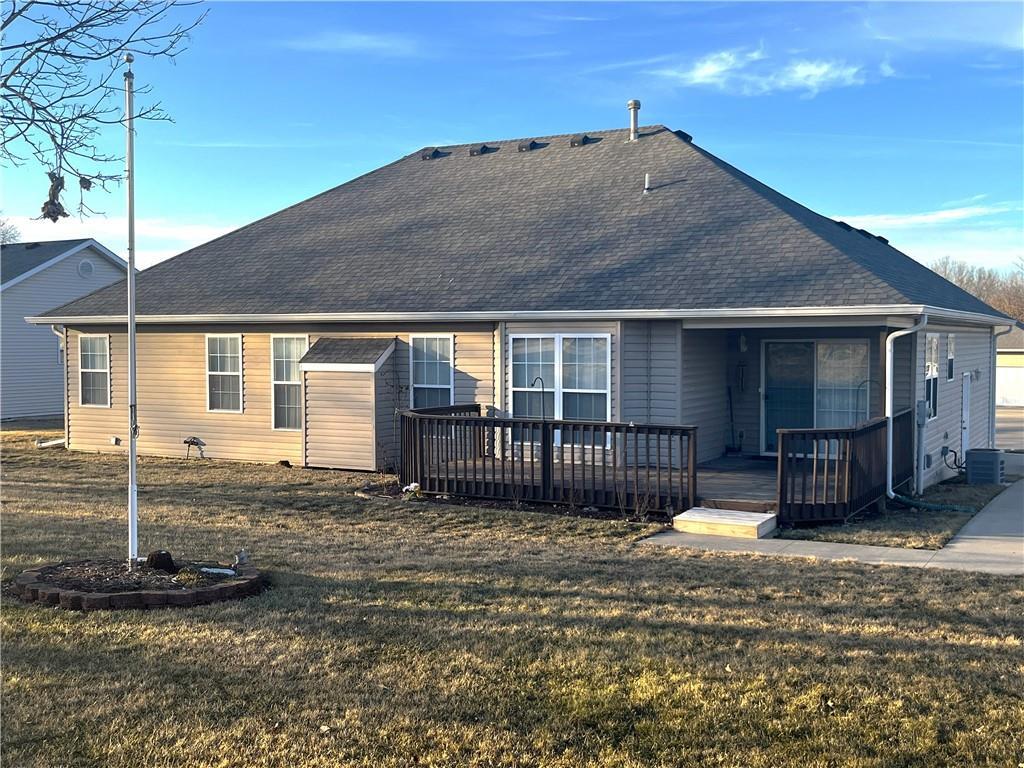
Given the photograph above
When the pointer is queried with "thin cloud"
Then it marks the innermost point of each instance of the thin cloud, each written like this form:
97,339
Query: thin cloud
749,72
341,41
878,221
568,18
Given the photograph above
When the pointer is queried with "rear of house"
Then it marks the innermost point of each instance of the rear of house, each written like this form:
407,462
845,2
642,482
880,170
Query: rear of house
566,284
37,277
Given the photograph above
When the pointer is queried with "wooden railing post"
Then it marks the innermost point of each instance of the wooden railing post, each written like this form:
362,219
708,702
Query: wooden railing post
547,461
780,476
691,469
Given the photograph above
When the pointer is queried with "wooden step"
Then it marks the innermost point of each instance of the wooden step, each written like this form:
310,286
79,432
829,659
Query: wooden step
725,522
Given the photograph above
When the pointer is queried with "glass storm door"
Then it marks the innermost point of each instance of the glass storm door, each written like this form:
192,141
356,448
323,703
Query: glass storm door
788,388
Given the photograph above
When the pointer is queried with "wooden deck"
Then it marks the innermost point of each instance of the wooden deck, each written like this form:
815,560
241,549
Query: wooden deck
737,477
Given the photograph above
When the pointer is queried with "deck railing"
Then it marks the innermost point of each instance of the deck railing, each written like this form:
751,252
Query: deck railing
831,474
640,467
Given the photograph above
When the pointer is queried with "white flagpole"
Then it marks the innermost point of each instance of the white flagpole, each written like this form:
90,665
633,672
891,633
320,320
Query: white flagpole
133,424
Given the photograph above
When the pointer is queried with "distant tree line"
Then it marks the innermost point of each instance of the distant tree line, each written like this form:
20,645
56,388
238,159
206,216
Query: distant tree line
1002,290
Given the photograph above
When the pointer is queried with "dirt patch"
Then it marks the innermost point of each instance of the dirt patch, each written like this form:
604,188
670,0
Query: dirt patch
113,576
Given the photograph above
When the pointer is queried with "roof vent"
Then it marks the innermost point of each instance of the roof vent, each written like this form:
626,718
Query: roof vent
29,246
845,226
528,146
430,153
481,149
881,239
684,136
633,105
865,233
579,140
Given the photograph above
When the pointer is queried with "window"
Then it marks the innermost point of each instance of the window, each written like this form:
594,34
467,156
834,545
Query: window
224,373
286,381
842,381
94,371
950,355
431,362
561,377
931,374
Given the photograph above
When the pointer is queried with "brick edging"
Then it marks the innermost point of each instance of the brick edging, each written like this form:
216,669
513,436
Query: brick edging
31,588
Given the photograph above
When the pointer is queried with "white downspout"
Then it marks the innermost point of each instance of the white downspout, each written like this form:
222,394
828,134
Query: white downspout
992,386
889,366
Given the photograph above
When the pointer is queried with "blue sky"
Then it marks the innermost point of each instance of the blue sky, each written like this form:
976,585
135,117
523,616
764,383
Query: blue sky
903,118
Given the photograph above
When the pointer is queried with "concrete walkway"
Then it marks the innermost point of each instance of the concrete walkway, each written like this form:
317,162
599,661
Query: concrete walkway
991,542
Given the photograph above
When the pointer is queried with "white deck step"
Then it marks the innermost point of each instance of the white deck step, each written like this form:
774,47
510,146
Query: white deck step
725,522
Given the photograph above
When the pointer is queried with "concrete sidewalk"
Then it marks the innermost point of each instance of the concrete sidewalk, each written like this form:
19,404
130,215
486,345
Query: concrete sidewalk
991,542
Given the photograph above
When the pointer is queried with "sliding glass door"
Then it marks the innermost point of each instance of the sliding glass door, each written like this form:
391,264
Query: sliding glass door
813,384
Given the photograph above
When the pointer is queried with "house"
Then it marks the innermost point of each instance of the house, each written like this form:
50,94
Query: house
37,277
575,297
1010,368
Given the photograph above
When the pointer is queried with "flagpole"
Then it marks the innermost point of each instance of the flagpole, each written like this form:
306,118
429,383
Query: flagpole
133,424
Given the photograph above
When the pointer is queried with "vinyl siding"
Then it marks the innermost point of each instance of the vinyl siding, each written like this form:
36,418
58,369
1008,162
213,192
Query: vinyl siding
903,373
387,405
172,388
650,371
31,374
172,401
704,396
973,354
340,420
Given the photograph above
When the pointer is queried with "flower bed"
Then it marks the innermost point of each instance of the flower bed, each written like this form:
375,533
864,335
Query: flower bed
91,585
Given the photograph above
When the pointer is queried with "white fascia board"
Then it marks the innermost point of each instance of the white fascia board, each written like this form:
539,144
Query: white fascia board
756,313
100,249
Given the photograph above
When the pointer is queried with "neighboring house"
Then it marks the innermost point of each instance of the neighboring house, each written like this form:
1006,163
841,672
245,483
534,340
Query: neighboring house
1010,368
596,277
37,277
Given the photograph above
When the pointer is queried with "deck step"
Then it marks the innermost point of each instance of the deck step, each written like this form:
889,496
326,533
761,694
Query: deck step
725,522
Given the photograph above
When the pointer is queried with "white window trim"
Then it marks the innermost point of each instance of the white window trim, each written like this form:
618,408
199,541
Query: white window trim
927,348
950,356
557,389
81,370
273,382
451,367
241,368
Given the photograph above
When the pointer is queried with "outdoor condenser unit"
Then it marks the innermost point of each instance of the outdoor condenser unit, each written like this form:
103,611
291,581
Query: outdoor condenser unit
984,466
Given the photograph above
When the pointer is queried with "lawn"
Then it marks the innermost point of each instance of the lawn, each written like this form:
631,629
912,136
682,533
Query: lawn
910,527
400,634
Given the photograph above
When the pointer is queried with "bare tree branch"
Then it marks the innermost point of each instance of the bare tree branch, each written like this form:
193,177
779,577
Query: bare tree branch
60,84
1004,291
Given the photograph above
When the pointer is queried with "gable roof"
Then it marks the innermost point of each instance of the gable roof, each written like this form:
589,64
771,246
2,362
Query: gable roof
19,261
554,228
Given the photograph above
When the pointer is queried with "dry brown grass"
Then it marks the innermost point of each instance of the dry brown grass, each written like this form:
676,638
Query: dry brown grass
912,528
399,634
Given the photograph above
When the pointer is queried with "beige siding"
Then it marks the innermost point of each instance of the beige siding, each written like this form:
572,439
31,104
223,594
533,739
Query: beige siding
973,355
172,401
31,373
650,371
340,420
704,396
172,389
611,328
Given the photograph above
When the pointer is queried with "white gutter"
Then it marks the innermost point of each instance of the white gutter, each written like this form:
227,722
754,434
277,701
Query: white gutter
890,340
992,386
875,310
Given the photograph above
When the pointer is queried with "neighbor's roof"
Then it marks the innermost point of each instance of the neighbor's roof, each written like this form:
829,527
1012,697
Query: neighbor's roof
553,228
355,350
19,259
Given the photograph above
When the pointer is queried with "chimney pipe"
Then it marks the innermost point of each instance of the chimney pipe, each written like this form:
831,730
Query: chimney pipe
633,105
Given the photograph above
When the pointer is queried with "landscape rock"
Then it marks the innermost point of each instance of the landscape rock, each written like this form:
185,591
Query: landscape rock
162,561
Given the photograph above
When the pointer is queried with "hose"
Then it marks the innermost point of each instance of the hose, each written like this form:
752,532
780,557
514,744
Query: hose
932,506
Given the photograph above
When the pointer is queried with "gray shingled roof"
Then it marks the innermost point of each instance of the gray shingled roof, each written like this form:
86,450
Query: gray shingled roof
554,228
18,258
361,350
